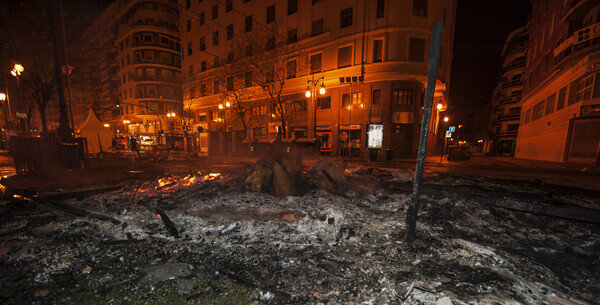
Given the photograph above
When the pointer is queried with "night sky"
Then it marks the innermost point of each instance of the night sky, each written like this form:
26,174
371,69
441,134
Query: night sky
481,30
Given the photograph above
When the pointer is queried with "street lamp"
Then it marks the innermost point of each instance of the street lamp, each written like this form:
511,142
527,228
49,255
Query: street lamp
312,86
446,119
440,106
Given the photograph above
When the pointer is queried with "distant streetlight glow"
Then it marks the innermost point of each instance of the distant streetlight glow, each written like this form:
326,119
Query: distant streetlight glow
172,114
168,115
439,106
19,68
446,119
307,93
106,125
227,104
220,106
2,97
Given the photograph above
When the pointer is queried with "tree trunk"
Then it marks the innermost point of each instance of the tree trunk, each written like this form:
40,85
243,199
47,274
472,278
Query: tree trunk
42,108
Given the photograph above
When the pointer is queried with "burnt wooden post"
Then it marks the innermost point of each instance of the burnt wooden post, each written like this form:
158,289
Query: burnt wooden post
434,58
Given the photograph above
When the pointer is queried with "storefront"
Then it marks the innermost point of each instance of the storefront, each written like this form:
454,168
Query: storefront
350,141
325,139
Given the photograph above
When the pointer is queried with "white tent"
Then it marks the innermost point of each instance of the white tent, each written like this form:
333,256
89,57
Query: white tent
98,137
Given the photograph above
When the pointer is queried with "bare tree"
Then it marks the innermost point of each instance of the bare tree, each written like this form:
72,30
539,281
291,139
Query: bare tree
27,40
259,67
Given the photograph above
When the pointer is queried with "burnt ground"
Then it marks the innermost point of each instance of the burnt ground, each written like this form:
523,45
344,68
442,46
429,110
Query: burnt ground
319,247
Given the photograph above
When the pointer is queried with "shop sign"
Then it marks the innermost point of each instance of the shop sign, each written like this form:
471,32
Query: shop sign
375,135
352,127
323,128
590,110
301,129
21,115
403,117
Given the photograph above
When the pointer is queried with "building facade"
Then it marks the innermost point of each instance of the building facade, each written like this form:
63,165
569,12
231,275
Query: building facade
370,56
560,108
133,75
505,111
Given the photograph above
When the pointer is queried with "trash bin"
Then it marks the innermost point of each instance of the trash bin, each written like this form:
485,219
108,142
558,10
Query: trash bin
71,157
389,153
373,154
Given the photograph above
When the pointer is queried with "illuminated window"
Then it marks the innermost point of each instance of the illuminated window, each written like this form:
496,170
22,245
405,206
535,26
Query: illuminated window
402,97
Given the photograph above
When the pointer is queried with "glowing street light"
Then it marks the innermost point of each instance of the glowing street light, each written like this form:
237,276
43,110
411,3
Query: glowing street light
220,106
439,106
106,125
322,90
19,68
227,104
124,122
307,93
446,119
2,97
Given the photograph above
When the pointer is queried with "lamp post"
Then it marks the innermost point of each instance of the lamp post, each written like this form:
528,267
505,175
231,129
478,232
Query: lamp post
16,71
311,92
446,119
170,116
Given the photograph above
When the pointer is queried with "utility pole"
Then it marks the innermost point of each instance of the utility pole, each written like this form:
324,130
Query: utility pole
64,131
434,57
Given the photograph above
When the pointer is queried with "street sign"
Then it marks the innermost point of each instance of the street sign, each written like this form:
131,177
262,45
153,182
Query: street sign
452,129
21,115
20,107
448,134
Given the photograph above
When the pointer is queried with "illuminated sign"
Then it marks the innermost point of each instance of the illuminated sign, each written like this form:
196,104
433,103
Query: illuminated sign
451,129
448,134
375,134
590,110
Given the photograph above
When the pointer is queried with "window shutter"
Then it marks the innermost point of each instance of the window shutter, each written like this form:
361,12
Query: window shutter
597,86
573,92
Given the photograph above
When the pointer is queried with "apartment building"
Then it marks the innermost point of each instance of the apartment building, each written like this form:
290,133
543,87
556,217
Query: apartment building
560,108
505,111
133,75
368,56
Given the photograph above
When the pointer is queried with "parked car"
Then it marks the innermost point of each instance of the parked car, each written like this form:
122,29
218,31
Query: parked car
458,153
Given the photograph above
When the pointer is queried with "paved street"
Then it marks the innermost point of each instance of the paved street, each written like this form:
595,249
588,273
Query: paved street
506,168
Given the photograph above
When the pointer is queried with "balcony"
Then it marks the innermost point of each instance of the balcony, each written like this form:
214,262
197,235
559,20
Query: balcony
576,9
581,43
506,134
518,63
512,83
508,117
149,78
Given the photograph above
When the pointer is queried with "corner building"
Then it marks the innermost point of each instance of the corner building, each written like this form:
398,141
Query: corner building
560,108
506,112
371,54
134,71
